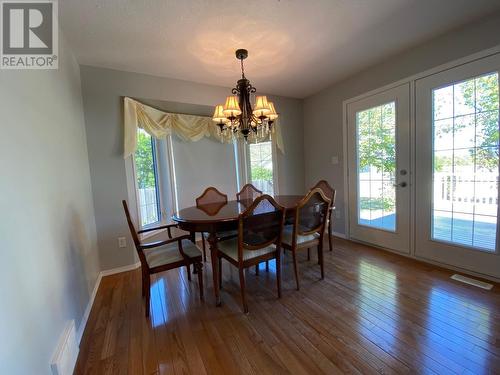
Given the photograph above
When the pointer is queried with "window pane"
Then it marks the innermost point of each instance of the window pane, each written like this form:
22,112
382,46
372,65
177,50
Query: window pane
261,166
487,93
465,177
464,132
376,144
441,225
487,129
463,98
443,103
147,186
443,131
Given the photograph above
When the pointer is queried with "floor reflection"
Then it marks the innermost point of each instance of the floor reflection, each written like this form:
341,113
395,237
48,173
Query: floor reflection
159,312
378,302
458,329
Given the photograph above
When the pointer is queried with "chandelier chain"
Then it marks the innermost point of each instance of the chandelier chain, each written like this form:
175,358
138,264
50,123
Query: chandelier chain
242,69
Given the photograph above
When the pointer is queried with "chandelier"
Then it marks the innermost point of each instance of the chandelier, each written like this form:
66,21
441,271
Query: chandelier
237,118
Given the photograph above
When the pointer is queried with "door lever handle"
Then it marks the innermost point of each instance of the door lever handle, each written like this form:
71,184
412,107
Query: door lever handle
401,184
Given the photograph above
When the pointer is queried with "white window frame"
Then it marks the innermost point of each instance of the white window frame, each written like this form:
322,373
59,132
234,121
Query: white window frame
242,152
133,189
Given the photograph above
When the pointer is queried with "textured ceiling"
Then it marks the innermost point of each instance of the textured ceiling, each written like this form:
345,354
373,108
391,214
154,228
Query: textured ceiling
296,47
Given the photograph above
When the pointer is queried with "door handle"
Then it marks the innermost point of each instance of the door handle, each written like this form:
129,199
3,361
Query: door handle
401,184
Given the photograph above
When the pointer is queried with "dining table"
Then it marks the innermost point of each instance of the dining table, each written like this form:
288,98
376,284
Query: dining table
220,217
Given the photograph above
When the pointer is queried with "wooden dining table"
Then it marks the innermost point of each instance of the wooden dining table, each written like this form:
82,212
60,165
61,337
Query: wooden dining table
220,217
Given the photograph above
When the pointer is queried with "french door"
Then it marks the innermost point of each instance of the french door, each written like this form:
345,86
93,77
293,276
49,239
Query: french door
379,169
457,165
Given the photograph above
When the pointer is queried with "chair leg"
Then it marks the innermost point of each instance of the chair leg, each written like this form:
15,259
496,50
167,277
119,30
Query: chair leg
148,294
295,269
242,287
308,253
267,266
278,272
199,271
204,247
143,281
330,234
257,269
320,258
188,267
220,273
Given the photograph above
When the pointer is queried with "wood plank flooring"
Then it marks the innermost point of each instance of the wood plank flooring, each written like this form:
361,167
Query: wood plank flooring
374,312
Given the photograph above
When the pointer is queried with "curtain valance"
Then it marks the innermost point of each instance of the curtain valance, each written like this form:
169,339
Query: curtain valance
160,124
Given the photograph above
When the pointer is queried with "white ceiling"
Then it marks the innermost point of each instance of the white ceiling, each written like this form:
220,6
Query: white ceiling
296,47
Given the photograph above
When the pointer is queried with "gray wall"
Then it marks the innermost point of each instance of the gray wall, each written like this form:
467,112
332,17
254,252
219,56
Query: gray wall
47,229
323,136
103,90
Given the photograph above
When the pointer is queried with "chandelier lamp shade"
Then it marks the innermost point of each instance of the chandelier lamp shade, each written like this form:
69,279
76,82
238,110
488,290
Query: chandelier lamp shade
237,117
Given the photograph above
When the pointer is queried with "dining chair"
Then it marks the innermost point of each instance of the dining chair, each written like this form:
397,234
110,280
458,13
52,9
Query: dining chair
212,200
246,196
248,193
211,196
260,229
330,193
165,254
308,228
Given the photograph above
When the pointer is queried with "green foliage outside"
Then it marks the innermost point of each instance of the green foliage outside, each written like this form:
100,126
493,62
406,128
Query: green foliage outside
144,161
261,154
481,95
261,173
376,139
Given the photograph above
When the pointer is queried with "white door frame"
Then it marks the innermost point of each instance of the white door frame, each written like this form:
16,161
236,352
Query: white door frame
481,261
399,239
411,80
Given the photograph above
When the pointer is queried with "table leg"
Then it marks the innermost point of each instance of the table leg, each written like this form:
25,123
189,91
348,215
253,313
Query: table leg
212,240
192,235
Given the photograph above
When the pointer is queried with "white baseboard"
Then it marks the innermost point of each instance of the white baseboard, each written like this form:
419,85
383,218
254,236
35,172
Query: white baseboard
86,314
340,235
112,271
429,261
64,358
103,273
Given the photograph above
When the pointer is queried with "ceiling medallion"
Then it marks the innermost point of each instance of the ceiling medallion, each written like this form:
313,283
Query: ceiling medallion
237,118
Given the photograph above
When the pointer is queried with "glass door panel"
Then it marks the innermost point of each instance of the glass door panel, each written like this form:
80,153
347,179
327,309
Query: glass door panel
379,169
457,166
465,162
376,165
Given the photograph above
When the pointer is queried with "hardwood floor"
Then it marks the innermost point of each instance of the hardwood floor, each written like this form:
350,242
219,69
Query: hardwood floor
374,312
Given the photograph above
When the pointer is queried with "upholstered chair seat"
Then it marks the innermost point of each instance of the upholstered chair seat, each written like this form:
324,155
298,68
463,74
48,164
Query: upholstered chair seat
302,240
169,254
230,248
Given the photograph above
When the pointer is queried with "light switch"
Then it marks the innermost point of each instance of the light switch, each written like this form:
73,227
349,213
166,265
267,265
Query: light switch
335,160
122,242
